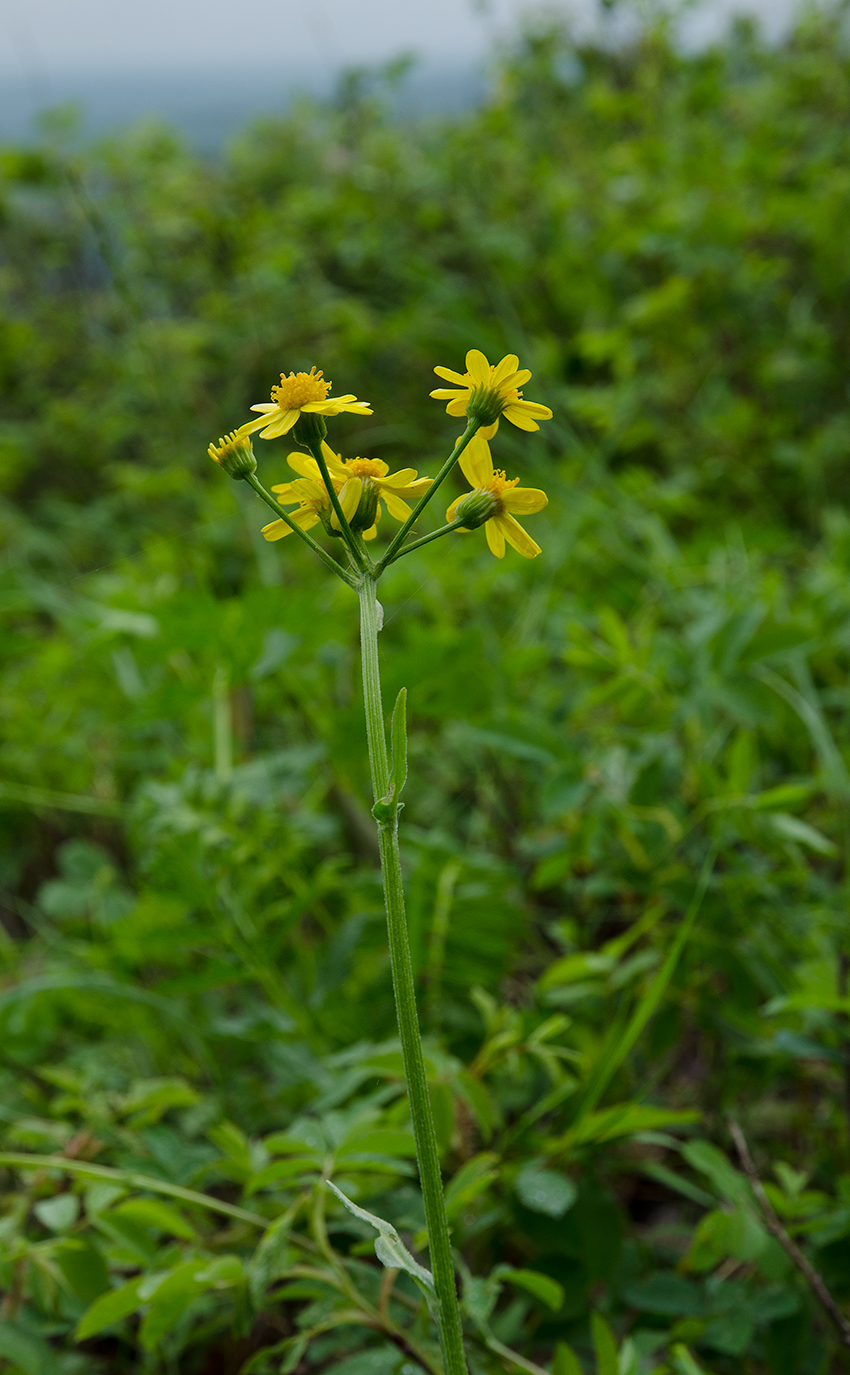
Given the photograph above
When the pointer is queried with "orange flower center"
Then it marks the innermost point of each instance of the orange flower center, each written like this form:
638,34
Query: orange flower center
364,467
500,484
299,388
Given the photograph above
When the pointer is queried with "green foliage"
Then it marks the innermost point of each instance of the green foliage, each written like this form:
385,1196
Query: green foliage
625,824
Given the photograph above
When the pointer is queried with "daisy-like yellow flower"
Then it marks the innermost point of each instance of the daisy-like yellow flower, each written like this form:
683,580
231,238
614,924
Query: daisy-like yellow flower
494,500
488,392
360,483
300,392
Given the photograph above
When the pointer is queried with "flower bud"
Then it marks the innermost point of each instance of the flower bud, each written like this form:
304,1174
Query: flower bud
367,507
309,429
235,454
475,508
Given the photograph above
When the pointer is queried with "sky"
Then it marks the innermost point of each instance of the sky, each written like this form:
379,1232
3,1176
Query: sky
210,66
46,38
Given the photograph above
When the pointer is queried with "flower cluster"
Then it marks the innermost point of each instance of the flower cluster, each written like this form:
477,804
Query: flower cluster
346,496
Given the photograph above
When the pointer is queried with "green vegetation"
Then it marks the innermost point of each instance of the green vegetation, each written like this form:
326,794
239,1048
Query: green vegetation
625,833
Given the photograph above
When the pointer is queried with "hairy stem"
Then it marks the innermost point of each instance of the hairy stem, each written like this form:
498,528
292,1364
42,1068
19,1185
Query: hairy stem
451,1331
423,500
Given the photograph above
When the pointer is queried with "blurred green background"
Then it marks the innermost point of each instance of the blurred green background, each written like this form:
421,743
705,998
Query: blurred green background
192,941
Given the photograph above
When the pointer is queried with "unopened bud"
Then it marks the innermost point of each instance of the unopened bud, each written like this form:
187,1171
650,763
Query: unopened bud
475,508
235,454
367,507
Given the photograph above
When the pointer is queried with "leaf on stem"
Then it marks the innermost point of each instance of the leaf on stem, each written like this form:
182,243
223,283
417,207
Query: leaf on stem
389,1248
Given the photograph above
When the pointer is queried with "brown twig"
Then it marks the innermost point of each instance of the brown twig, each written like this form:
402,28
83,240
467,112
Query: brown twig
807,1270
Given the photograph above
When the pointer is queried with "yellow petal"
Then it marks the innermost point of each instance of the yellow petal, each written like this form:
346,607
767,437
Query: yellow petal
517,379
265,406
415,490
488,431
305,516
395,505
285,491
515,535
305,466
519,417
371,532
524,500
282,424
450,513
504,369
477,366
336,467
349,498
476,463
452,377
448,393
495,538
399,479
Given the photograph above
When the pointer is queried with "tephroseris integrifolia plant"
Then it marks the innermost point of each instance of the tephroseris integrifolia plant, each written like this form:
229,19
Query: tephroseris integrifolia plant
345,498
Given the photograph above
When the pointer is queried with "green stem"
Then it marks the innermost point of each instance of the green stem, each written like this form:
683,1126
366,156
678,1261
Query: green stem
345,528
439,1242
254,481
424,539
423,500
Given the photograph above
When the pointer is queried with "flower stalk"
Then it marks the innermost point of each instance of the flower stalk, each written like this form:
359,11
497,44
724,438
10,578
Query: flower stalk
439,1242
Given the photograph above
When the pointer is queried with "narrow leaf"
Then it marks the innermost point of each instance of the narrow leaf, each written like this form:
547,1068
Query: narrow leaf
389,1247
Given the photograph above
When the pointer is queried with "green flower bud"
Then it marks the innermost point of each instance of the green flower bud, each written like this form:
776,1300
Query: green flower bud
475,508
309,429
235,454
367,508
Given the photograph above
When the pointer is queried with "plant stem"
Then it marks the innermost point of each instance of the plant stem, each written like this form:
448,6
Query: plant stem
451,1331
348,535
424,539
423,500
254,481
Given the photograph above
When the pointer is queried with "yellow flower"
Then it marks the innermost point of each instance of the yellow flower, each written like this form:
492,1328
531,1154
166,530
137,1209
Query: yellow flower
234,453
360,484
493,501
372,481
300,391
490,392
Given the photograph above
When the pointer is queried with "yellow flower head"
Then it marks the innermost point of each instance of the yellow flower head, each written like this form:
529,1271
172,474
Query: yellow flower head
234,453
361,484
487,393
493,501
300,392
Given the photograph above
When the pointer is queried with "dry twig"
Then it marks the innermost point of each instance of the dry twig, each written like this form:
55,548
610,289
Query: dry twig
787,1242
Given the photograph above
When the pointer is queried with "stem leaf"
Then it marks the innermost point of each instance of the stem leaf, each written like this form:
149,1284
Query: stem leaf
389,1248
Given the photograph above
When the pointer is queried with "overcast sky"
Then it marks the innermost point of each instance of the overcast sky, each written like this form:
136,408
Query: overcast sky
39,38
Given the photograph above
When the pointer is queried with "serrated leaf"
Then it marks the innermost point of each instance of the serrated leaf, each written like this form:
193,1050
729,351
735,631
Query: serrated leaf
389,1247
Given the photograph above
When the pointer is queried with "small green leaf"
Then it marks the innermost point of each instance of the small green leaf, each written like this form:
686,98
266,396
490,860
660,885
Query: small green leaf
389,1247
472,1179
565,1361
549,1291
83,1267
58,1214
792,828
683,1361
545,1191
270,1259
109,1309
27,1353
607,1360
150,1212
398,733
